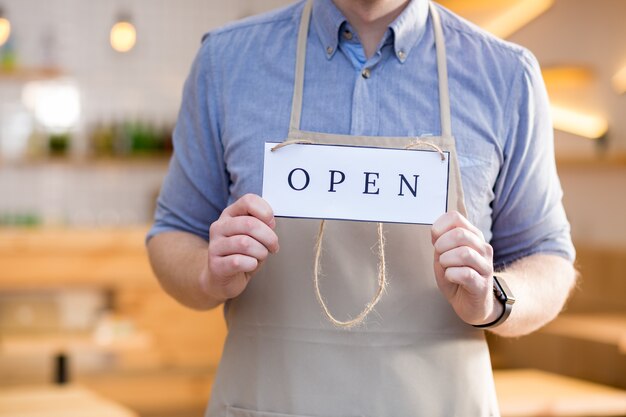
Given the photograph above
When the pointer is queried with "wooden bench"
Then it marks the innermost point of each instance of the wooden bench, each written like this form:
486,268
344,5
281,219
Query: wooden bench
528,392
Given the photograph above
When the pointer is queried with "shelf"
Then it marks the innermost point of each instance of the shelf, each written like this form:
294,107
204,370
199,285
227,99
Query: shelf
52,344
613,160
609,329
69,160
30,74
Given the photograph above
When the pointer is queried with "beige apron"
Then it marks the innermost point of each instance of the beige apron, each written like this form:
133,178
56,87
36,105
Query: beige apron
411,357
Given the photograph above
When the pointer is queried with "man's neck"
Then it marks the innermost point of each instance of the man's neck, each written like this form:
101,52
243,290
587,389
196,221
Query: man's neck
371,18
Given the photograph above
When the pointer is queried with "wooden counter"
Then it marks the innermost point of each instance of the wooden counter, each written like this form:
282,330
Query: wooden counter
73,343
533,393
114,260
53,258
50,401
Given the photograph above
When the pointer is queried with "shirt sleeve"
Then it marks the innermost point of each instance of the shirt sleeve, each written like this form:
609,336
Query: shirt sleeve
195,189
528,214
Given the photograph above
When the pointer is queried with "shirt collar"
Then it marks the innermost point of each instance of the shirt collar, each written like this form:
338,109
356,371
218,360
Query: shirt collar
407,28
327,19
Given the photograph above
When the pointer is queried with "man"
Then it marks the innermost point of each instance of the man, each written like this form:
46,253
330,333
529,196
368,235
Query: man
373,73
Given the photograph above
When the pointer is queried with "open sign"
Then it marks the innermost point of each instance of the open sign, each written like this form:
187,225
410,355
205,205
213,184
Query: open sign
356,183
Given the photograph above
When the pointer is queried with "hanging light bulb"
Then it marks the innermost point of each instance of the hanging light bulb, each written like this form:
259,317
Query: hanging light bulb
123,35
5,28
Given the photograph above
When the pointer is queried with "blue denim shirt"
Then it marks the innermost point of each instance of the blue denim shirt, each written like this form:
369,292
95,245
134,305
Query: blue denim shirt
238,95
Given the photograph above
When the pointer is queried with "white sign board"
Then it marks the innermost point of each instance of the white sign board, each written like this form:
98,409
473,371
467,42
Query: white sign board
356,183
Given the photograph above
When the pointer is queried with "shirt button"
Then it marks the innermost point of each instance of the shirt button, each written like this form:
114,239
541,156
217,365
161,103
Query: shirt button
366,73
329,50
402,55
348,35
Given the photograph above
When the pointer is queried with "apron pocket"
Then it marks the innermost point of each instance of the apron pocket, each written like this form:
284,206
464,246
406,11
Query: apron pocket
478,175
242,412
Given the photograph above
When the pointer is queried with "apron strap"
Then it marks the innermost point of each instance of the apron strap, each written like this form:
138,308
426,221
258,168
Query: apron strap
442,71
303,34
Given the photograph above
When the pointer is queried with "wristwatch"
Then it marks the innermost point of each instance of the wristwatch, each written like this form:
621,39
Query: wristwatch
504,295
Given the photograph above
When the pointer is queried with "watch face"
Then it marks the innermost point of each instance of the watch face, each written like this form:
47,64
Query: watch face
498,293
504,293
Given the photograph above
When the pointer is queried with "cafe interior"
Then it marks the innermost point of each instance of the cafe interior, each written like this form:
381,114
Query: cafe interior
89,96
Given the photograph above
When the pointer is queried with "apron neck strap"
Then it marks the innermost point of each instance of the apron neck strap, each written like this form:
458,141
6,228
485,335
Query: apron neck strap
442,71
296,102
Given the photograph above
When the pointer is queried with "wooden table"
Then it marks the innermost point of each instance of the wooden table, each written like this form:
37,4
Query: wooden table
527,392
53,401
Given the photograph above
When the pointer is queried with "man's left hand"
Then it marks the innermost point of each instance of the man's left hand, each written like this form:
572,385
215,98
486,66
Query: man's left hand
464,268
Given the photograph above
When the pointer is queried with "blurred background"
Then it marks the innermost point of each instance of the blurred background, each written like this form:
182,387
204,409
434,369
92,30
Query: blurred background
89,93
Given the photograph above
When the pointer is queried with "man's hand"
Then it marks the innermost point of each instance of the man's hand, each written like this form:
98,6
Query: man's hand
239,241
464,269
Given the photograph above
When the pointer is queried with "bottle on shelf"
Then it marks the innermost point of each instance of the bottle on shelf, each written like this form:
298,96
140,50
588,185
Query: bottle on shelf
59,143
130,138
8,56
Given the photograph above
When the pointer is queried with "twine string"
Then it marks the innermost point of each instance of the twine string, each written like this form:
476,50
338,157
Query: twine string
382,280
292,142
382,269
415,144
420,144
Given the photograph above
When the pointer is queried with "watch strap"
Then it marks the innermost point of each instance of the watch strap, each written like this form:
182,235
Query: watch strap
503,295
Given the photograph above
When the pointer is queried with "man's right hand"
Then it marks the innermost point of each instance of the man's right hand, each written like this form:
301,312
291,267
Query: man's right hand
239,241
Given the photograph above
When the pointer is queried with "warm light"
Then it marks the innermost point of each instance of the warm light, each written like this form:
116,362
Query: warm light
56,104
619,81
581,124
516,16
500,17
5,30
123,36
567,78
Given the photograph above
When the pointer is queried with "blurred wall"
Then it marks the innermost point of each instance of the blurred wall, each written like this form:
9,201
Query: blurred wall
143,85
590,35
146,82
